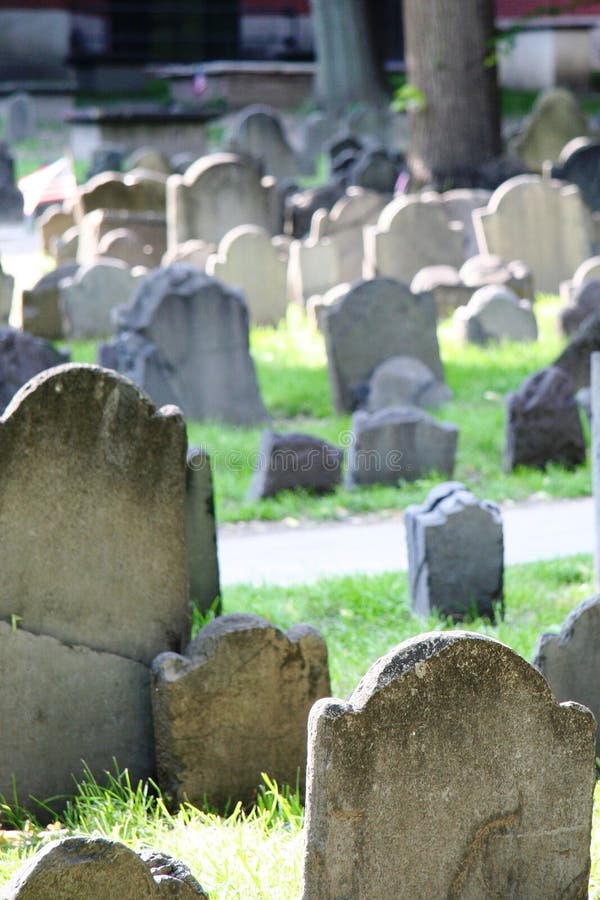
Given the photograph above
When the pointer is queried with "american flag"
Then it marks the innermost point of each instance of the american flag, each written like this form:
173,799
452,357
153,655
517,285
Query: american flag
50,184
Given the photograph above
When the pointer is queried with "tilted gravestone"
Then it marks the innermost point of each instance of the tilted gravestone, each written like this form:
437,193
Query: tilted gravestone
21,357
542,422
248,259
555,120
399,443
258,133
494,313
545,223
217,193
370,322
455,553
250,687
568,660
405,381
450,771
77,867
87,299
201,531
579,163
411,233
184,339
291,461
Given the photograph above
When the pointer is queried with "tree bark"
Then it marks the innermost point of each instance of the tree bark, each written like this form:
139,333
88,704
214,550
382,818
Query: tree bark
346,72
449,59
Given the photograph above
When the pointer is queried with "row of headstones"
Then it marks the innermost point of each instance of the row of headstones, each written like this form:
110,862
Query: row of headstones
451,763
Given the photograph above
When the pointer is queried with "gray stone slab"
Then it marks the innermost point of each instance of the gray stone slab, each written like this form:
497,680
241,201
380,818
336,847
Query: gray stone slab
450,771
290,461
405,381
494,313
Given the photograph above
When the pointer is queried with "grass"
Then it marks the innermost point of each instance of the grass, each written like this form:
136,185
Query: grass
292,372
257,853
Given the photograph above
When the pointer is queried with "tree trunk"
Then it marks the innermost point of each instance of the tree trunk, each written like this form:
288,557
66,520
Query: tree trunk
449,59
346,72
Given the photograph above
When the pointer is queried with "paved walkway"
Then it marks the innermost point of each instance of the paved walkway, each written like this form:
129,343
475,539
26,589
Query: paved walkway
277,554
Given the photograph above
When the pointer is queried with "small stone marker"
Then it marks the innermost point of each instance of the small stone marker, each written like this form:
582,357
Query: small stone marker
21,357
250,687
399,443
455,553
405,381
203,562
369,323
543,423
87,299
569,660
184,339
82,868
494,313
450,771
290,461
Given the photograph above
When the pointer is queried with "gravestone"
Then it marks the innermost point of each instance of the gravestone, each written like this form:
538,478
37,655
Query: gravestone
313,269
444,283
248,259
201,530
411,233
141,238
484,269
40,306
494,313
369,323
149,159
250,687
217,193
109,566
556,119
66,246
74,703
302,205
575,358
405,381
291,461
106,158
258,133
459,205
542,422
75,868
587,271
52,224
135,191
128,247
20,118
579,163
21,357
11,198
399,443
544,223
87,299
455,553
450,771
569,660
183,338
585,301
376,171
194,253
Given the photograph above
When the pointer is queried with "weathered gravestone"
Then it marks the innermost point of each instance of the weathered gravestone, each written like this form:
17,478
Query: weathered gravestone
248,259
86,300
291,461
542,422
193,252
444,283
494,313
460,205
81,868
302,205
184,339
66,246
11,198
52,224
584,302
411,233
543,222
399,443
371,322
138,238
575,358
569,660
135,191
21,357
405,381
149,159
258,133
201,530
555,120
455,553
217,193
250,687
40,312
127,246
105,158
313,268
376,170
451,771
579,163
483,269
